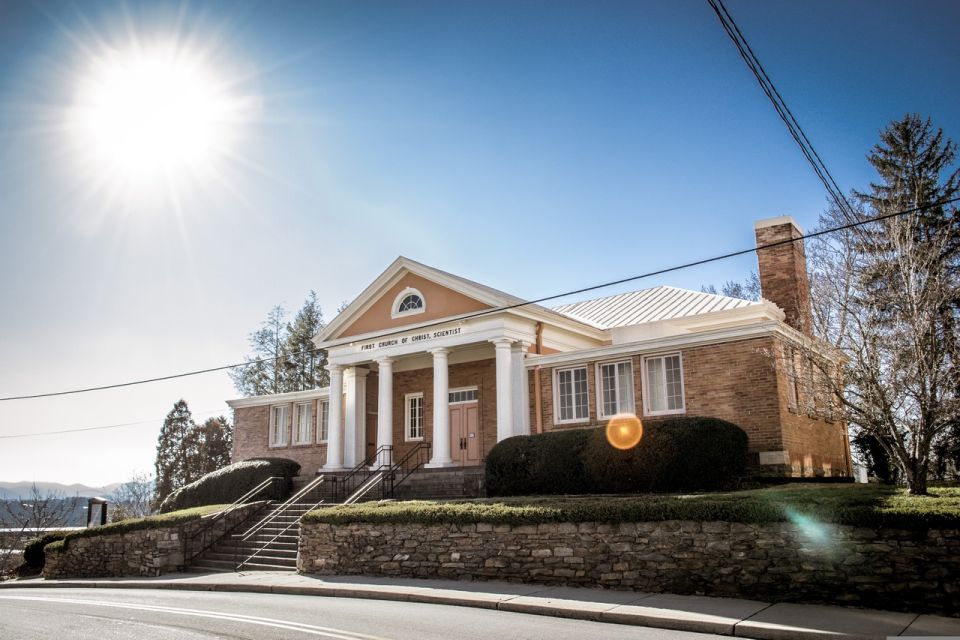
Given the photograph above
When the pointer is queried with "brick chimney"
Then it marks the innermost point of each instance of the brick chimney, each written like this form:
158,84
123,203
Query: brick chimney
783,270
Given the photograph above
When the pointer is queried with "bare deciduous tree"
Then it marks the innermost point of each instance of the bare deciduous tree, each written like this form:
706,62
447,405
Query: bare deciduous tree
24,518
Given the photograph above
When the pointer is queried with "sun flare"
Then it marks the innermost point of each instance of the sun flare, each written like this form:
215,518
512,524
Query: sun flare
154,114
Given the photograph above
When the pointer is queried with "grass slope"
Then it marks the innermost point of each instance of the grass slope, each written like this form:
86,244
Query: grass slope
138,524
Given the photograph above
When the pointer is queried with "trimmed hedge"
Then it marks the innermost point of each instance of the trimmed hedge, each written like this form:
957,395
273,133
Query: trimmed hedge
33,555
681,454
811,505
226,485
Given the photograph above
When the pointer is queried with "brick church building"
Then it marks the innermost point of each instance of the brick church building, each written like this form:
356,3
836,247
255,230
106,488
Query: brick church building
425,356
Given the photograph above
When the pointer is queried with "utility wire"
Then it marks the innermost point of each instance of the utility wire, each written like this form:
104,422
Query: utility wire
780,105
516,305
107,426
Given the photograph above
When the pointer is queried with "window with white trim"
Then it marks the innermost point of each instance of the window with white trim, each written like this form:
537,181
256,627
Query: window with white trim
571,395
615,388
407,303
323,430
413,416
279,422
663,385
304,413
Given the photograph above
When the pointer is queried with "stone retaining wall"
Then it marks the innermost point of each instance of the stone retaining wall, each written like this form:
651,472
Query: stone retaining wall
147,552
804,562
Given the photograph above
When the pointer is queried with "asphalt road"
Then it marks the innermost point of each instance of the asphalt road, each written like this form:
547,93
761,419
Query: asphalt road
144,614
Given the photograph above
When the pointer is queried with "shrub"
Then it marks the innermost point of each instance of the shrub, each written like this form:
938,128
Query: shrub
544,463
676,455
33,556
681,454
226,485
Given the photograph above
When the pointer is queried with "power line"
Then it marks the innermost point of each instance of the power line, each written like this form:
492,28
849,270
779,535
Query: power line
780,105
516,305
107,426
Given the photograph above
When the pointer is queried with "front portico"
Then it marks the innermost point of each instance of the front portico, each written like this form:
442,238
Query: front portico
441,360
487,356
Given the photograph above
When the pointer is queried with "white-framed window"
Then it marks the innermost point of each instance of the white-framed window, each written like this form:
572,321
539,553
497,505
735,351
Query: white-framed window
413,416
407,303
615,388
323,429
279,425
663,385
570,395
468,394
303,434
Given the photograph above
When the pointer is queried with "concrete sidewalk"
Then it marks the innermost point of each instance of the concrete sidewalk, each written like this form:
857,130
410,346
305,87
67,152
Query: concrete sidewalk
727,616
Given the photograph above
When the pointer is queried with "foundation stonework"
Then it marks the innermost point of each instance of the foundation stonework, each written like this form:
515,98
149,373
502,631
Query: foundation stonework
886,569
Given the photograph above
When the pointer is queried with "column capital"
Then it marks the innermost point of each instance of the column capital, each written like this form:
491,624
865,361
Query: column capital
521,345
356,372
384,360
501,343
439,351
334,368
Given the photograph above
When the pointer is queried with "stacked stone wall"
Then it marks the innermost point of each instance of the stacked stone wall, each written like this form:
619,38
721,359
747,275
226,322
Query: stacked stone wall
145,552
886,569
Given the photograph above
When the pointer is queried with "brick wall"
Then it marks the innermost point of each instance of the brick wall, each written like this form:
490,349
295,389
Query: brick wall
739,382
481,374
251,439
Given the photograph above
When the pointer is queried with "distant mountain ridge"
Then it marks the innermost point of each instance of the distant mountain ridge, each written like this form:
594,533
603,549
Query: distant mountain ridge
23,489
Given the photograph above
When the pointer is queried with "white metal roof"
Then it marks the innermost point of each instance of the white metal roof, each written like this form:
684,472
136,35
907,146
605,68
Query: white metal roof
648,305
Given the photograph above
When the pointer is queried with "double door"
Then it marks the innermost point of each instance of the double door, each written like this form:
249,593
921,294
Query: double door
465,433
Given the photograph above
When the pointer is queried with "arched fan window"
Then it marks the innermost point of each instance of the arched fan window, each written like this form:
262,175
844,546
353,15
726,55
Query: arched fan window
409,302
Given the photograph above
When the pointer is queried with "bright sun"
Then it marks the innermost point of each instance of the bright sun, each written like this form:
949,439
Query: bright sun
154,115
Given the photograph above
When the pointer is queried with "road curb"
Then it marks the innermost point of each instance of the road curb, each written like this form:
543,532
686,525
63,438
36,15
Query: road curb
662,618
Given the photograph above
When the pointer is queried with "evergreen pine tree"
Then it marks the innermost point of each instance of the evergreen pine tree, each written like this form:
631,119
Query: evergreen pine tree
306,365
267,371
207,448
171,451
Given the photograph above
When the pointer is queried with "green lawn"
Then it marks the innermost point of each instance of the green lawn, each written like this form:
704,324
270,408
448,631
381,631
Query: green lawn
862,505
137,524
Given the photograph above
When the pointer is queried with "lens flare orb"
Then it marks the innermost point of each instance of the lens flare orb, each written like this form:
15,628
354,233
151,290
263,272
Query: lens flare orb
624,431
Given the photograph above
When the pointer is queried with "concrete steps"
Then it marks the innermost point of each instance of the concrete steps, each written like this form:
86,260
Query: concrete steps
274,546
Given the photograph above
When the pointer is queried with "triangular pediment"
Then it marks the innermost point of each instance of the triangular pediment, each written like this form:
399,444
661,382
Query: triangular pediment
444,296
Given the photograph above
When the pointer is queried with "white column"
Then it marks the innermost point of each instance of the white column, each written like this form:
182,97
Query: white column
440,453
521,403
504,388
355,427
385,410
335,419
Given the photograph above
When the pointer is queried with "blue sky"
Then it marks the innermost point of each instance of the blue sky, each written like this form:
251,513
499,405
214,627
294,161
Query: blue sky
531,146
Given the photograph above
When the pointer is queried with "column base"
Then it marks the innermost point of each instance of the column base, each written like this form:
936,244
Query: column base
328,467
439,465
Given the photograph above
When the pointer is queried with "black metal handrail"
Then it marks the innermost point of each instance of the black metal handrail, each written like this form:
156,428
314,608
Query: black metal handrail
346,485
410,462
189,552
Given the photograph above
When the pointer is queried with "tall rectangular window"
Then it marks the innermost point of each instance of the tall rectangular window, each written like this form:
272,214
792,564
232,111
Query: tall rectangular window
304,413
663,385
323,429
413,418
279,425
615,388
571,396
